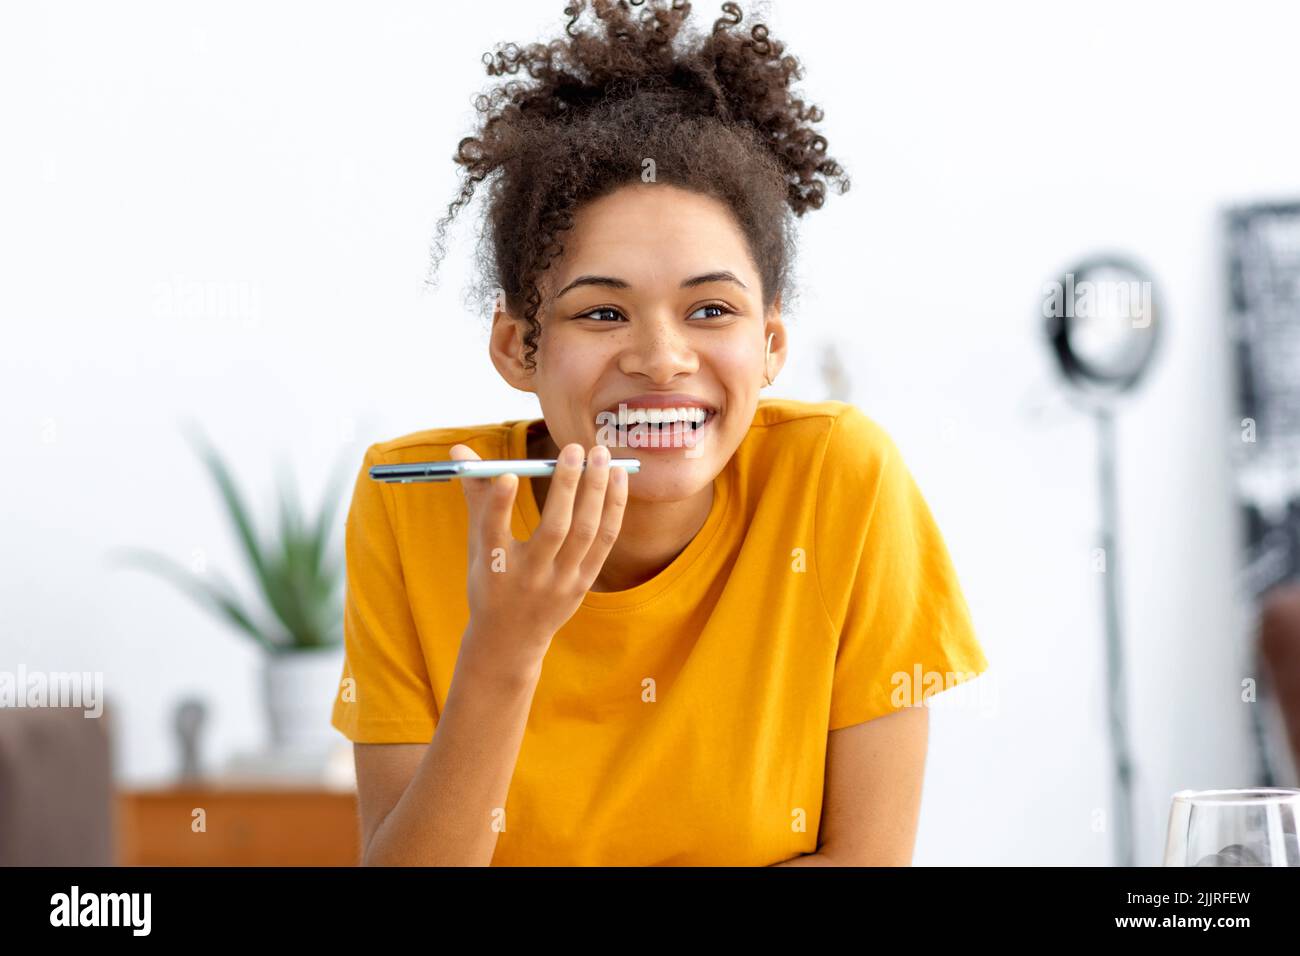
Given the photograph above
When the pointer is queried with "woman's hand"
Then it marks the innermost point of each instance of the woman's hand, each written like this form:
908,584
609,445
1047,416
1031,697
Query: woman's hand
522,592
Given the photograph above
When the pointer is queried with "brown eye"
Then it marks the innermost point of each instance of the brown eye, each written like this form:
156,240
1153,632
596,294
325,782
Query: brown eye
717,309
604,310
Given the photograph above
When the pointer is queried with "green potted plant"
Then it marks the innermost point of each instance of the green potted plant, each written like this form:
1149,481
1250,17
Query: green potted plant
298,575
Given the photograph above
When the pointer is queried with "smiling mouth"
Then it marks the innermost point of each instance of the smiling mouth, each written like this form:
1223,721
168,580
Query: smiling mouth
646,435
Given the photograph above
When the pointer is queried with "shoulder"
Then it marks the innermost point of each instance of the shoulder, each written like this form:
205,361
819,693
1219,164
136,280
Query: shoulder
858,447
838,439
858,477
374,502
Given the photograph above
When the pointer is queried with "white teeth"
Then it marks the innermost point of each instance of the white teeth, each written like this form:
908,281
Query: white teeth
660,416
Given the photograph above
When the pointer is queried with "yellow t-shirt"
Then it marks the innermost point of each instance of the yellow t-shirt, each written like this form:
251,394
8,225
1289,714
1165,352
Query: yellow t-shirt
683,721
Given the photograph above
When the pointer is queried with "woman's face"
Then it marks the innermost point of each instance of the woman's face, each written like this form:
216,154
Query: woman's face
656,302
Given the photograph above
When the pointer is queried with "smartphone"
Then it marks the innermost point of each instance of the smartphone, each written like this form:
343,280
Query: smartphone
447,470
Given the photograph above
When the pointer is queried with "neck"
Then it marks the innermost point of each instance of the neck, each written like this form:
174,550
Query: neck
651,536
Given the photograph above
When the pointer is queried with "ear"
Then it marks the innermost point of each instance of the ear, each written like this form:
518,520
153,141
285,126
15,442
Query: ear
506,347
773,325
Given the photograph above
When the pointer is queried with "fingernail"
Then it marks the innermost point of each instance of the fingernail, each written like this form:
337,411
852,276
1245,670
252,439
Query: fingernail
571,455
600,455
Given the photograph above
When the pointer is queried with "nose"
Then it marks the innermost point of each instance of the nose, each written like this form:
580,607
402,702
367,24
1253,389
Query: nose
659,349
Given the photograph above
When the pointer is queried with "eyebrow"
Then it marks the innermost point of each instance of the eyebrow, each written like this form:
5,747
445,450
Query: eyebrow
611,282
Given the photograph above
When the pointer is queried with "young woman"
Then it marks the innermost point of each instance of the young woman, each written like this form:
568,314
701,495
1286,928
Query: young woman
716,660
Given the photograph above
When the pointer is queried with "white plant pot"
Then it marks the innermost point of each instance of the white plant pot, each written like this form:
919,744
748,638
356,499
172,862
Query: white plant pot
299,689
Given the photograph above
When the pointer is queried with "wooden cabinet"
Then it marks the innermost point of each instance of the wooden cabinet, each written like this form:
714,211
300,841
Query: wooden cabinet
216,826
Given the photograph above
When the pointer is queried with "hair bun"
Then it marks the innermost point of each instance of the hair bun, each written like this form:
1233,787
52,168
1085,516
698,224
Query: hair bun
625,88
628,48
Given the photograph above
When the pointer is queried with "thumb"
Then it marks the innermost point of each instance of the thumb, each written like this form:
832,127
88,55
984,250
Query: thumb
473,487
490,500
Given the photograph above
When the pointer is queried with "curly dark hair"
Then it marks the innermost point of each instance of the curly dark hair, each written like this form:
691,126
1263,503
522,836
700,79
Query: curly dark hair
715,114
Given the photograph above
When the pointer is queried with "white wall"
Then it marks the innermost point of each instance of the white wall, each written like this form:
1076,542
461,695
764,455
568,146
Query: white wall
293,159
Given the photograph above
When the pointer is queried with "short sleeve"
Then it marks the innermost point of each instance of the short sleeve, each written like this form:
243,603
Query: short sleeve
905,631
384,695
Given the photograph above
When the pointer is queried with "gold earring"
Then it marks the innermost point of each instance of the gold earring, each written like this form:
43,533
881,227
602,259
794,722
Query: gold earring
767,360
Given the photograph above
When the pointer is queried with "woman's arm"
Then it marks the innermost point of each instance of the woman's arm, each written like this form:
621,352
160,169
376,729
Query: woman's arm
438,804
874,772
443,804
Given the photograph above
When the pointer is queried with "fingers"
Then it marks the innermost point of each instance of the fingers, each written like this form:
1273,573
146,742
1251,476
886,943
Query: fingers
586,520
557,514
611,522
574,537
